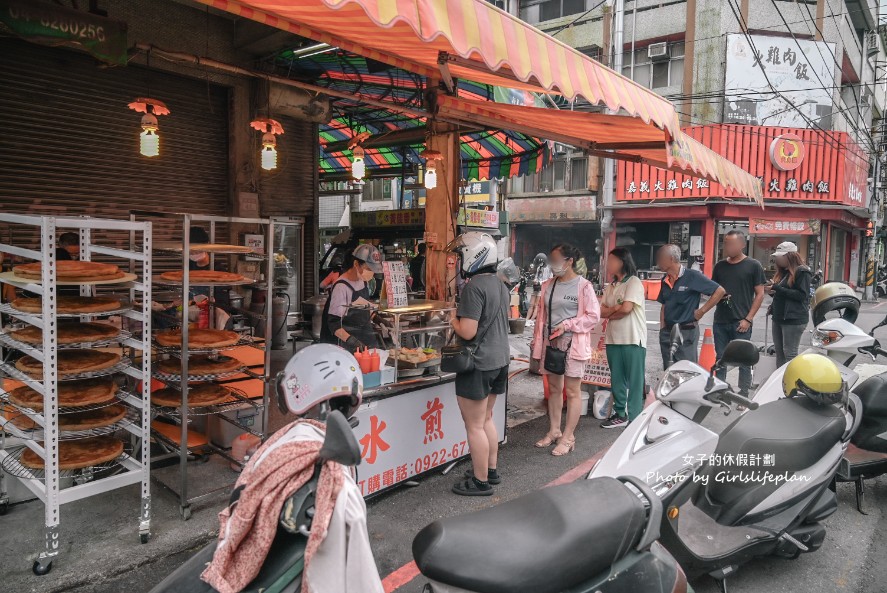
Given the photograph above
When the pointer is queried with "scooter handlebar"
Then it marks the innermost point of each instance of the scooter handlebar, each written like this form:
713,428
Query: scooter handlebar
728,397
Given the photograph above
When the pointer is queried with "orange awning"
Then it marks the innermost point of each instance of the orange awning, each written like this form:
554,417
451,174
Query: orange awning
474,40
615,136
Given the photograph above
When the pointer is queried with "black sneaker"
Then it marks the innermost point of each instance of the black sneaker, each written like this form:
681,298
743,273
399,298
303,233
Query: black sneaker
493,476
615,421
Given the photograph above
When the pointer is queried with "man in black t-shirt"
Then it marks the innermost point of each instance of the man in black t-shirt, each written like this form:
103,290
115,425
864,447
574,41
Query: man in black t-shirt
743,279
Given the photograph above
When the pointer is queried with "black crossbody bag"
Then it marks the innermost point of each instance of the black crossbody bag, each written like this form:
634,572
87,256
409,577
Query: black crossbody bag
459,358
555,359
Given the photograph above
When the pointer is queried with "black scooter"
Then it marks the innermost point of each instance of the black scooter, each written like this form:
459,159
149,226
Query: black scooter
591,536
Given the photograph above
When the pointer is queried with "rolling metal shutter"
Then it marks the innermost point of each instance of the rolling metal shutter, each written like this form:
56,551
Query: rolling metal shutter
291,189
69,145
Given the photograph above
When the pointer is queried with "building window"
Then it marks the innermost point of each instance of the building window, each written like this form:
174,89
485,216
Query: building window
538,11
659,73
377,190
498,3
579,173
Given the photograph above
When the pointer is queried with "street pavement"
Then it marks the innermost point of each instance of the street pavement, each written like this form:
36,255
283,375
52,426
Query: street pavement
851,560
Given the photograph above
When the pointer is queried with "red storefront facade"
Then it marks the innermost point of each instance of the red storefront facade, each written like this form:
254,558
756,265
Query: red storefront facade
815,194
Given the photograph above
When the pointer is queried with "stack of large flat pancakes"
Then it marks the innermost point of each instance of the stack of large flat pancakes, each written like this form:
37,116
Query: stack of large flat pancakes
70,394
201,276
71,362
79,454
91,419
199,394
68,305
71,271
201,365
69,332
198,338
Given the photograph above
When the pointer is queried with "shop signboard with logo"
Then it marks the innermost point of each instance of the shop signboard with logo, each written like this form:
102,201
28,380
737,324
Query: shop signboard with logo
411,433
793,164
388,218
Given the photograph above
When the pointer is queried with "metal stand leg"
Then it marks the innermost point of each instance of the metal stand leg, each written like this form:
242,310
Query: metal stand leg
722,585
860,495
43,563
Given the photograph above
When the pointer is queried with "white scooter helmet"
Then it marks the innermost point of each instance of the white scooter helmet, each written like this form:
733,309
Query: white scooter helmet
320,373
476,250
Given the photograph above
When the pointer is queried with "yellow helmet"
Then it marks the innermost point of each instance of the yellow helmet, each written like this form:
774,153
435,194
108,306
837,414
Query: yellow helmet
815,376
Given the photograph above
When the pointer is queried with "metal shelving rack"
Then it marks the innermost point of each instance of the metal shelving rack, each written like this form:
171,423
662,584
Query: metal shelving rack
182,415
133,467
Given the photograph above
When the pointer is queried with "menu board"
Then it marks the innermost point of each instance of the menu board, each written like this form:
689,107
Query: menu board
395,283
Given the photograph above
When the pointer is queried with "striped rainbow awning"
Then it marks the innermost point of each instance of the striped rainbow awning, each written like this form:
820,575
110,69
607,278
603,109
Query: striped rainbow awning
474,40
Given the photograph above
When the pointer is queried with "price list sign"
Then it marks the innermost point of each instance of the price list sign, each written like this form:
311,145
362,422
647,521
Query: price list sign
395,283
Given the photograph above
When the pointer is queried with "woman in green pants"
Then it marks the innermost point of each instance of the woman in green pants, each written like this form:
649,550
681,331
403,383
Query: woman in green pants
623,307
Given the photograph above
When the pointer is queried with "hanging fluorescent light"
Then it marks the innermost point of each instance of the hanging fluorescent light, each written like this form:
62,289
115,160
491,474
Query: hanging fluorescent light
358,167
270,130
430,175
269,151
149,139
431,157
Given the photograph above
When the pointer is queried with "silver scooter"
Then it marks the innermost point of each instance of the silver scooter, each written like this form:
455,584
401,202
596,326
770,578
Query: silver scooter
668,438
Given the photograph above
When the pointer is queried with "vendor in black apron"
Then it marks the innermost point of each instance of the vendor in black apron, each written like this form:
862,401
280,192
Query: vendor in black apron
352,328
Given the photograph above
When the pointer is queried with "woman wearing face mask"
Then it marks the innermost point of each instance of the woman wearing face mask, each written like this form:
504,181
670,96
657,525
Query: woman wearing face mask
351,328
567,311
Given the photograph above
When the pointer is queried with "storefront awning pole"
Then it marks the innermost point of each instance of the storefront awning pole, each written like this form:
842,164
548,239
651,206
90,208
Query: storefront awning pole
441,204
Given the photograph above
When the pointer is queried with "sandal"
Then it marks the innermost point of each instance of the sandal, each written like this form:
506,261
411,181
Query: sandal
493,476
469,487
548,441
564,446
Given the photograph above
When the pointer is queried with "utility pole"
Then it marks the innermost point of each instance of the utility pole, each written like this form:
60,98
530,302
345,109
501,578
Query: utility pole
608,186
875,209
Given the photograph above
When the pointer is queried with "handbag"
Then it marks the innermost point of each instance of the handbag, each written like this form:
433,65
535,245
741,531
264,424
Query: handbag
555,361
459,358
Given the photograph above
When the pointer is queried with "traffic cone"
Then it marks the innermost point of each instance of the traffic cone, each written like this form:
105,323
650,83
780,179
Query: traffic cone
515,312
707,356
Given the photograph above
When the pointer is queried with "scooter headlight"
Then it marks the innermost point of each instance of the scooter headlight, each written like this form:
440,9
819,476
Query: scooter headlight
674,379
822,338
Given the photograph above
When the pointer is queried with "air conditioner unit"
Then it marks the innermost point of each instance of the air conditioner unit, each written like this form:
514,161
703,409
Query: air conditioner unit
658,52
871,42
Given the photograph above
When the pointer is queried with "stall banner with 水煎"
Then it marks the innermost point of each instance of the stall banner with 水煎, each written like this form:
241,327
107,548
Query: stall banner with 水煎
410,433
597,371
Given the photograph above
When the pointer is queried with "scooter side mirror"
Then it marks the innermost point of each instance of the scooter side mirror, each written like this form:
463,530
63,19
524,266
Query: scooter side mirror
340,445
740,352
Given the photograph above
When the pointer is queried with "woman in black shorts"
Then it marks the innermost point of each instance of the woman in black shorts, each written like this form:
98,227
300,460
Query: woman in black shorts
481,319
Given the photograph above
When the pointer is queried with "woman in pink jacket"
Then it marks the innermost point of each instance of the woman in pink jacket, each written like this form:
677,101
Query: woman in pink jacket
569,307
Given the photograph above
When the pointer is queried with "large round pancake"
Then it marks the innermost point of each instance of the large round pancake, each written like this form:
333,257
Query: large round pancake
200,394
67,305
198,338
20,420
71,362
71,394
97,418
69,332
197,276
71,270
79,454
200,365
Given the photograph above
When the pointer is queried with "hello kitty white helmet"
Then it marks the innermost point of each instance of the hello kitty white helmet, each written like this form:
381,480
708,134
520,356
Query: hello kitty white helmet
320,373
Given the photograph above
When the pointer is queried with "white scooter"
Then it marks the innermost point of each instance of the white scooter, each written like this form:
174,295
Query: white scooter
668,438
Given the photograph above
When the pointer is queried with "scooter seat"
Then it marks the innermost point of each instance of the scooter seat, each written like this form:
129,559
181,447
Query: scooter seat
873,395
784,436
545,542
